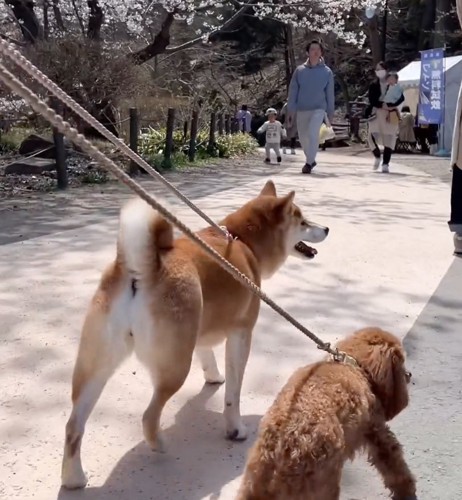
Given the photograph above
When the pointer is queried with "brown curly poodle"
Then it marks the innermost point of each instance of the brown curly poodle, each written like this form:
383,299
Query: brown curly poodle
327,412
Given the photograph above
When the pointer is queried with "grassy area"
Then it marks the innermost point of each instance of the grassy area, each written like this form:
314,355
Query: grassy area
152,144
11,140
151,147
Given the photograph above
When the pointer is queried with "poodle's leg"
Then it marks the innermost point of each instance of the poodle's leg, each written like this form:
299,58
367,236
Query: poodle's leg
326,484
386,454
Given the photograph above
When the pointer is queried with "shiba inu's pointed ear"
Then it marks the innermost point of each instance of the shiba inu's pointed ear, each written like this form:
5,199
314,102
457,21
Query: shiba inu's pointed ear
269,189
285,203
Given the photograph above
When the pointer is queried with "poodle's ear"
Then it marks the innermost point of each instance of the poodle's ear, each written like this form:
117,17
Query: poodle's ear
389,378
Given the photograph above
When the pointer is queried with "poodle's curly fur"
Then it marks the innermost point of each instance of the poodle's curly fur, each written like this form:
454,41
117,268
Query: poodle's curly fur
325,413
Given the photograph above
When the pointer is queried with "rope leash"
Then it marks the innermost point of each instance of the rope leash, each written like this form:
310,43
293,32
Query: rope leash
22,62
39,106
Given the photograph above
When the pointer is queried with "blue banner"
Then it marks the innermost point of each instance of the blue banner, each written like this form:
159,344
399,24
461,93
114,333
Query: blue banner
431,92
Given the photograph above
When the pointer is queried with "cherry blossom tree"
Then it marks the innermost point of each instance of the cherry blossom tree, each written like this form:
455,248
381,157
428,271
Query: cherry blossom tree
91,47
153,27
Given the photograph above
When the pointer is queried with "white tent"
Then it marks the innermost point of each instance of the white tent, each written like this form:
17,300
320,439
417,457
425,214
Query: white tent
409,79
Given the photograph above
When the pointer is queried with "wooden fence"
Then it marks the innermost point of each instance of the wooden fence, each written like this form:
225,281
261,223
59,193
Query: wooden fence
218,124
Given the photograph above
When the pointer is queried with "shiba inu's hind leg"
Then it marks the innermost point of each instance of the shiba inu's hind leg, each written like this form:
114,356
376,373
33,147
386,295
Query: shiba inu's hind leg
166,348
105,342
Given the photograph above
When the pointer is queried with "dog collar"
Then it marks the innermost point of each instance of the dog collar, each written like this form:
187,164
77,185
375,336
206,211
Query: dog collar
343,357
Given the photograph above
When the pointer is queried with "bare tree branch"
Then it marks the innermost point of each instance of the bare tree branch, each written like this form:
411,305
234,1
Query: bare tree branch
226,25
162,40
12,40
158,45
79,17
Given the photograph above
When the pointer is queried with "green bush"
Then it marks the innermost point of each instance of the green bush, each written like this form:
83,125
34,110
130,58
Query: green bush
236,145
11,140
152,145
96,176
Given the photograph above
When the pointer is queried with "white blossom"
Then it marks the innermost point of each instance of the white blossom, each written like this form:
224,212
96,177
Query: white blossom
138,19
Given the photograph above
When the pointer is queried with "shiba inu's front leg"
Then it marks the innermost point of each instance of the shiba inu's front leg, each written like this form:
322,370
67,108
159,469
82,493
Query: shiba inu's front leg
209,365
237,354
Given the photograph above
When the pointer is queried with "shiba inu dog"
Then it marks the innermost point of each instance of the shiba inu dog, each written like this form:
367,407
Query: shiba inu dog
165,298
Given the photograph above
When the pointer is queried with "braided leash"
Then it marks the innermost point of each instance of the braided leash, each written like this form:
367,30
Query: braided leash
39,106
23,63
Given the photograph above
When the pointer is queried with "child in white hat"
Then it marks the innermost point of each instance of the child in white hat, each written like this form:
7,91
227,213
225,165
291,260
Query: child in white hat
274,133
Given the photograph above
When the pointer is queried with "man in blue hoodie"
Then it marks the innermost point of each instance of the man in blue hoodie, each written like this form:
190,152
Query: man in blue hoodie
311,98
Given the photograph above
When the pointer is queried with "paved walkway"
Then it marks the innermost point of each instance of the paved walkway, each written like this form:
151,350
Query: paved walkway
387,261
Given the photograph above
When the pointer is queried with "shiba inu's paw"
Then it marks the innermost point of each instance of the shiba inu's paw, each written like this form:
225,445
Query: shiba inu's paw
239,433
158,446
73,477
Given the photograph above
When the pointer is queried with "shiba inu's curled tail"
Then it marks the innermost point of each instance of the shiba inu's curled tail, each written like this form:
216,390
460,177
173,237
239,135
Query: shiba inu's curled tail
144,236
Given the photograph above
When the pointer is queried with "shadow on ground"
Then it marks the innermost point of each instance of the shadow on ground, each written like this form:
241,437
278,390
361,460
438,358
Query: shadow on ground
140,473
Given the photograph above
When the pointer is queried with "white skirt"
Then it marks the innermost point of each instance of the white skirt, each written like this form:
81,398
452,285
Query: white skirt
382,130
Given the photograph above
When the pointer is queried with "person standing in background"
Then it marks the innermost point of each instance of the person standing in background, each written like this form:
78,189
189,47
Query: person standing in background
379,127
274,134
291,132
406,127
311,97
244,119
455,223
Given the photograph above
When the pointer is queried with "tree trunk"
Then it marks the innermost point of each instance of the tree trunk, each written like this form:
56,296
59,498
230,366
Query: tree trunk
58,16
105,113
46,20
289,54
345,92
23,11
95,20
374,40
384,30
428,25
443,8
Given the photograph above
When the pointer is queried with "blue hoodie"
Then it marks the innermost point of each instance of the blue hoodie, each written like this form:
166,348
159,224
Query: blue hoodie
312,87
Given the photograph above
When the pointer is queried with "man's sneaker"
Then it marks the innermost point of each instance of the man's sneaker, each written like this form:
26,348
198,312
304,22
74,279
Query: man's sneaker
313,165
279,159
267,160
284,151
376,163
292,151
385,168
307,168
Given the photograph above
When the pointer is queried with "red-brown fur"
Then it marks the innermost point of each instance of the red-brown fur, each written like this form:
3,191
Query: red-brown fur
165,298
327,412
